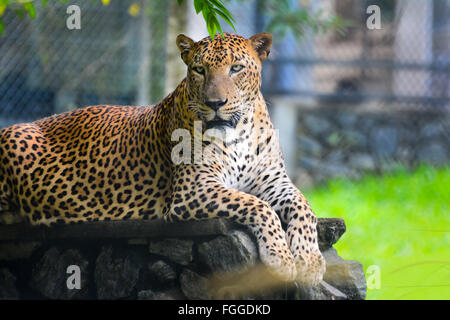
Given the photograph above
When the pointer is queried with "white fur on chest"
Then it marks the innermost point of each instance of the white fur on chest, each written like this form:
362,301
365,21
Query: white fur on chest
246,154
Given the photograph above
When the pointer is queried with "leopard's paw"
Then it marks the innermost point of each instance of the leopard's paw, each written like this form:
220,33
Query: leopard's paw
279,261
310,267
309,261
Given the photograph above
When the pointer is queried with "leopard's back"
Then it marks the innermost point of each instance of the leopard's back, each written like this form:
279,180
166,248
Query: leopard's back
94,163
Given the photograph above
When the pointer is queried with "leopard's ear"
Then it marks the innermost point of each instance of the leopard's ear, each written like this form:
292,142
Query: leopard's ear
185,45
261,43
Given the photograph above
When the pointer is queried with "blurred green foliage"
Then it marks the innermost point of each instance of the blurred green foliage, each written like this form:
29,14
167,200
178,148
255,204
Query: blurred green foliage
399,222
210,9
283,15
296,16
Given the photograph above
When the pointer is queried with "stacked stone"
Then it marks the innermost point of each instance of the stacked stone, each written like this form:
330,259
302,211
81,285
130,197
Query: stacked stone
342,142
153,260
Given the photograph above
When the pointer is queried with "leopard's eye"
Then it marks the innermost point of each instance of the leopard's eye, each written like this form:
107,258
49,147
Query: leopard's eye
236,68
199,70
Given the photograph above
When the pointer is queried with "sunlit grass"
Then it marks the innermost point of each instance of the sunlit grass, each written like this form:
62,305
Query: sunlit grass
399,222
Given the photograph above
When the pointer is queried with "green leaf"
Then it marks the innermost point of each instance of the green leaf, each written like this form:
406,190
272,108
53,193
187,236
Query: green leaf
2,27
205,13
44,2
198,5
19,12
180,2
2,9
222,8
219,27
211,26
29,7
224,17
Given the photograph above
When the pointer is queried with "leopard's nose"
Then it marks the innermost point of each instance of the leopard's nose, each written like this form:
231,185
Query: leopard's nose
216,104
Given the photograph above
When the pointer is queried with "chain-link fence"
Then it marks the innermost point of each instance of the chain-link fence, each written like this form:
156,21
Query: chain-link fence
370,94
44,66
406,61
371,99
47,68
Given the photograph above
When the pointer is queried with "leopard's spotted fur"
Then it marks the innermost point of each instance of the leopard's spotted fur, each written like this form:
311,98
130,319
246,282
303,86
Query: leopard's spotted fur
116,163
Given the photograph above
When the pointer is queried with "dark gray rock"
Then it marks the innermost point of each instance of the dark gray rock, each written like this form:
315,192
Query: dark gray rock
365,123
345,119
324,170
434,153
172,294
353,138
163,272
409,136
405,154
316,125
309,163
335,169
334,139
323,291
388,165
138,241
383,141
329,231
228,253
345,275
361,161
177,250
169,296
335,156
118,229
17,250
433,130
309,146
194,286
146,295
330,255
331,293
123,271
8,290
50,274
116,274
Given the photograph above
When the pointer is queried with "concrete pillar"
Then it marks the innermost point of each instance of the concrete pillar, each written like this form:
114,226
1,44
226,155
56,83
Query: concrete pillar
196,26
182,19
244,14
144,70
413,44
441,47
175,67
284,118
284,115
291,77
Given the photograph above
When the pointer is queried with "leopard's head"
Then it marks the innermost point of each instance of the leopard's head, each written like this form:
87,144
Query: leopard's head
223,76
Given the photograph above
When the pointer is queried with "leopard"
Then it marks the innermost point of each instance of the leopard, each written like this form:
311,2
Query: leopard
105,162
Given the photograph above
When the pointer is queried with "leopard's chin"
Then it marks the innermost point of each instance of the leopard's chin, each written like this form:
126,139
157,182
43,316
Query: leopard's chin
219,124
220,133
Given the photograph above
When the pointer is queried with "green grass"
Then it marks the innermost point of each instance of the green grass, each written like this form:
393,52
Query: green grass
399,222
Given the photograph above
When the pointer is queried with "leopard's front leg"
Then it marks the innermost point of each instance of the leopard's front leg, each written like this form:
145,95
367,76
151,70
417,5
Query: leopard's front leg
199,195
301,232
